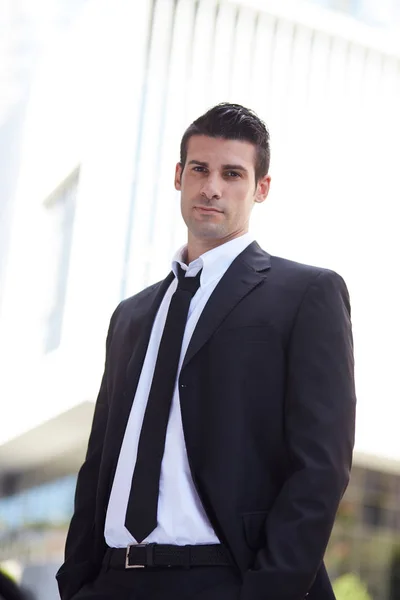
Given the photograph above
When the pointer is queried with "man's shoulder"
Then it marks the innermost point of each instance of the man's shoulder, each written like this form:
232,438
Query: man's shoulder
134,307
141,298
297,268
288,271
289,268
292,279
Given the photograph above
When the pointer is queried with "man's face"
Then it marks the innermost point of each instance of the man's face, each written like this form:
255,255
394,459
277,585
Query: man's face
218,188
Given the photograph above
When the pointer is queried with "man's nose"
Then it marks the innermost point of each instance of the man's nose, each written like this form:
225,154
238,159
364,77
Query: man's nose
211,188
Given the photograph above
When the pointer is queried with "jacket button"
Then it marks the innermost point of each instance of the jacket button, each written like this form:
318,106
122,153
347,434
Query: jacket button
183,385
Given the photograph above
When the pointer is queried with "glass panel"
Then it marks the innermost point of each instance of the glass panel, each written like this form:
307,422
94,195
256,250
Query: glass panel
60,209
33,523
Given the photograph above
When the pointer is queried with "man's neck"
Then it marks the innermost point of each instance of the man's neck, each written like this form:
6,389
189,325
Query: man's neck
196,247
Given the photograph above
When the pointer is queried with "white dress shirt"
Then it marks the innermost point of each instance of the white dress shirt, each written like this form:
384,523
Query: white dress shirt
181,516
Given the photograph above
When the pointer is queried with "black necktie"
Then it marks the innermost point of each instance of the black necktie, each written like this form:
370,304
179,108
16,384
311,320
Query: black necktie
141,514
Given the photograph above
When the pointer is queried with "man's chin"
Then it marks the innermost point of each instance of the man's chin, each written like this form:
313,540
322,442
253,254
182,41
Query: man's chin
208,232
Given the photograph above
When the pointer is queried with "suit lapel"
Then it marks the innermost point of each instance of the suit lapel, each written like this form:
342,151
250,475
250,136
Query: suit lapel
135,363
247,271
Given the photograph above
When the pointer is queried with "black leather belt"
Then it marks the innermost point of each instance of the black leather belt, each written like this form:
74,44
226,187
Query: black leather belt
165,555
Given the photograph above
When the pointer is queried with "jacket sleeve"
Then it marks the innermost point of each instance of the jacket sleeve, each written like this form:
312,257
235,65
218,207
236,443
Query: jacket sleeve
319,429
78,568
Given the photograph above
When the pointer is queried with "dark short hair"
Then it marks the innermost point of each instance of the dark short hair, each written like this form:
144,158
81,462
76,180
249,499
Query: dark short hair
232,122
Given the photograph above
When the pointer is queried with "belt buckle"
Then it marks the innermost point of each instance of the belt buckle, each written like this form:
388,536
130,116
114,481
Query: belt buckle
127,565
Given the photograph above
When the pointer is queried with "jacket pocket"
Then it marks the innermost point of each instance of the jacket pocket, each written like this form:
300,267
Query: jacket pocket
254,528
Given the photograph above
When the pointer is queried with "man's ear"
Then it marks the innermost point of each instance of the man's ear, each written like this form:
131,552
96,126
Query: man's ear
262,190
178,175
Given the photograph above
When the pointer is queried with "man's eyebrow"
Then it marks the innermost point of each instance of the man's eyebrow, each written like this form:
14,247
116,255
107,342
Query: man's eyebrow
235,167
225,167
198,162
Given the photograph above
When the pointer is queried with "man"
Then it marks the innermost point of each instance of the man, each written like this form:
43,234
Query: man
223,432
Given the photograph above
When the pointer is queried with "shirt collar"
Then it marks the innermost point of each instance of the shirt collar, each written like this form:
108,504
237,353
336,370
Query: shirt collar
215,262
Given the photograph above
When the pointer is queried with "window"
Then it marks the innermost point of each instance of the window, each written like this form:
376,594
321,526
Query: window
34,522
60,212
366,537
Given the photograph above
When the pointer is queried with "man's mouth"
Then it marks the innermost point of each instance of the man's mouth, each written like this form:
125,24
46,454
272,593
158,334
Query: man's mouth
209,209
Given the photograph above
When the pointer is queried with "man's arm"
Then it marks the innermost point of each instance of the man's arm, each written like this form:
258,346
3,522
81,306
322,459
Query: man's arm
319,428
78,567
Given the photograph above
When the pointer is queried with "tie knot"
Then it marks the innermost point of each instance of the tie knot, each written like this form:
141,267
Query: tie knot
188,284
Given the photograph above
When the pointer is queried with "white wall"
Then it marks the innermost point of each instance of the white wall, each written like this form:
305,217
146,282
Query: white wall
117,102
82,111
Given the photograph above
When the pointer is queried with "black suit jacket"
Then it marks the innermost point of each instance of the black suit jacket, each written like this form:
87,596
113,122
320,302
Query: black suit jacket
268,409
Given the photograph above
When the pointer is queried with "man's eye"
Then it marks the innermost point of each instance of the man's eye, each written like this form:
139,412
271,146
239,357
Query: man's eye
233,174
199,169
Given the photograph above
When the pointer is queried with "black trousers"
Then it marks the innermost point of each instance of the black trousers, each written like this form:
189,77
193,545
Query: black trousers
196,583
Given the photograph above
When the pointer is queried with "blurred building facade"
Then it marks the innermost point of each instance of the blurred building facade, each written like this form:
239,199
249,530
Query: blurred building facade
385,13
95,218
